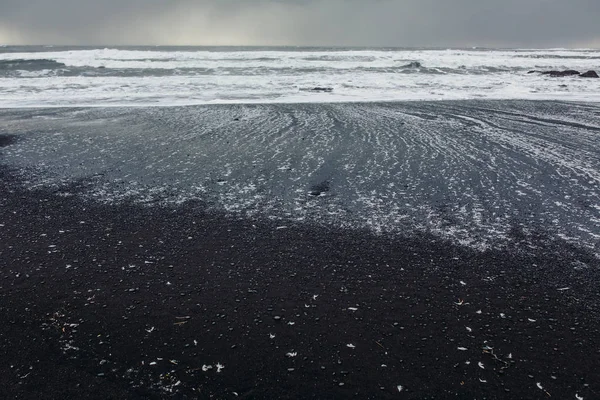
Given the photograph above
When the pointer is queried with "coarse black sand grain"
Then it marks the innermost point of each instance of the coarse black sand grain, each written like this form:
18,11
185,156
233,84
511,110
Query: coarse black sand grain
128,301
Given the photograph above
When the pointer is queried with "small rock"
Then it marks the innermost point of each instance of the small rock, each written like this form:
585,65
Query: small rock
414,64
589,74
319,89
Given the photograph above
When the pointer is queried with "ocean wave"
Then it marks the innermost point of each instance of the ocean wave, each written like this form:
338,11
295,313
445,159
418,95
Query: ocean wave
559,56
137,76
99,72
29,65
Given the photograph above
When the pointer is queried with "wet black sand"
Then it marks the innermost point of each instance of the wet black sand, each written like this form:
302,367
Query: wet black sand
114,299
91,294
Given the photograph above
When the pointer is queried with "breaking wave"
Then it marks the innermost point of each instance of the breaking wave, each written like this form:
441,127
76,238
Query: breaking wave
29,65
62,76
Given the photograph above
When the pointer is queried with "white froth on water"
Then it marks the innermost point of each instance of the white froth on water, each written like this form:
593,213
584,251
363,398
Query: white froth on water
142,77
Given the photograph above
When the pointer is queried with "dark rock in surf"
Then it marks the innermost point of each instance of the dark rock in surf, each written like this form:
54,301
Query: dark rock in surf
589,74
414,64
318,89
560,74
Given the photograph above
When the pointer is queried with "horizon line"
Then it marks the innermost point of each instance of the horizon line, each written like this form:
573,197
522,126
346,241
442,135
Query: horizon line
5,45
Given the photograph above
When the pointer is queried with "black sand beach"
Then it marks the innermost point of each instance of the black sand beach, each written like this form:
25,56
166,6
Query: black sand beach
122,299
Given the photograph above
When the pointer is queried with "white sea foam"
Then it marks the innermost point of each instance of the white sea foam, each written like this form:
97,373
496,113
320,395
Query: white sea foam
118,77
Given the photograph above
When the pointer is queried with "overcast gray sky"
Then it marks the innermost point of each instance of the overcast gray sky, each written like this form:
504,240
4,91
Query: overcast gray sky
507,23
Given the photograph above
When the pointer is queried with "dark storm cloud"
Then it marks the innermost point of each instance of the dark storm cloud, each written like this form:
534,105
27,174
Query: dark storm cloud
303,22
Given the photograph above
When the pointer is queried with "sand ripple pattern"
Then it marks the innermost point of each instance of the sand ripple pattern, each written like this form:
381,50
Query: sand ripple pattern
483,173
